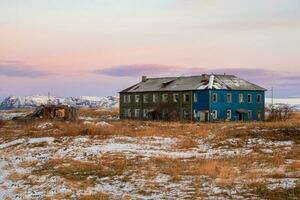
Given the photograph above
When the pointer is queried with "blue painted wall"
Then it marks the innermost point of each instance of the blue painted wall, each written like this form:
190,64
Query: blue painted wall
205,102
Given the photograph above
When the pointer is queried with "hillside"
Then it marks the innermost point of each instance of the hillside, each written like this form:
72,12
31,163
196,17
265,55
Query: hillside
13,102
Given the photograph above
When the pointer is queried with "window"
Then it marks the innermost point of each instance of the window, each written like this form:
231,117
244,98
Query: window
164,114
259,98
229,98
195,97
186,97
137,98
215,97
125,98
215,114
186,114
258,114
145,113
155,98
127,113
165,97
176,97
249,114
241,98
228,114
128,98
145,98
137,112
249,98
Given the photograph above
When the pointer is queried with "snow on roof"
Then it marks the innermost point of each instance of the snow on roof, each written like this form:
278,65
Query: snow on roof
184,83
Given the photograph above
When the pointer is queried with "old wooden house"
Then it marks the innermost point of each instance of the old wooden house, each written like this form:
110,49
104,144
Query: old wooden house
193,98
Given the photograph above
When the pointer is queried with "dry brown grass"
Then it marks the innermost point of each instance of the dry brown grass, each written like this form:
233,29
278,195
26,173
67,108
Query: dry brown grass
98,113
75,170
294,166
98,196
26,164
15,176
176,168
2,123
187,143
261,190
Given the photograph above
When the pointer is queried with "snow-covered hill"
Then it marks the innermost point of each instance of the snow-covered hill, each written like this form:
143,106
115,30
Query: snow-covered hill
290,101
13,102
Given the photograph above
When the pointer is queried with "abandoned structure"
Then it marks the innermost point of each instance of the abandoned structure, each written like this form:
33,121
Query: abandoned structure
194,98
55,112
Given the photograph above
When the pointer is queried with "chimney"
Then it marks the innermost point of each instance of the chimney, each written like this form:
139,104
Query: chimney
144,78
205,77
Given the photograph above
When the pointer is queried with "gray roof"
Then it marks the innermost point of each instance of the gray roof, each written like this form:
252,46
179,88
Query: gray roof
185,83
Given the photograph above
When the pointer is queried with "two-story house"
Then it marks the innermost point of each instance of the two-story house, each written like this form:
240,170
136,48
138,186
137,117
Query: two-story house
193,98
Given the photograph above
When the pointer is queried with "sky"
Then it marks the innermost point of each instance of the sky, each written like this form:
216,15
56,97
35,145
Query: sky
99,47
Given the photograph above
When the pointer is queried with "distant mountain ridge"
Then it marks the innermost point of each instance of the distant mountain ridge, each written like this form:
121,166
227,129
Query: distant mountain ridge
13,102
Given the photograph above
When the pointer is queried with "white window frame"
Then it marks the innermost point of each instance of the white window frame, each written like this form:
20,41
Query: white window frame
258,98
229,116
145,98
145,111
164,97
129,112
249,95
175,97
249,114
136,112
229,95
215,114
259,114
241,98
125,98
215,100
128,98
137,98
195,97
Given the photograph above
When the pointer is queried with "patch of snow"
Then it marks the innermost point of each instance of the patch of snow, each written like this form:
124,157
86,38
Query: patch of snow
45,125
103,123
285,183
15,142
9,116
49,140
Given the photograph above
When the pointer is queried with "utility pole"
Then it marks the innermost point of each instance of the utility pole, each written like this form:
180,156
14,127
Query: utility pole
272,100
49,101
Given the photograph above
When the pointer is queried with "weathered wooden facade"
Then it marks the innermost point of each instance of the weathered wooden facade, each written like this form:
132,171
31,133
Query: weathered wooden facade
194,98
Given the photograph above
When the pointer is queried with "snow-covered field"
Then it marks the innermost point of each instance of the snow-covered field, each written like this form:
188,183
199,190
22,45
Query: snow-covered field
149,161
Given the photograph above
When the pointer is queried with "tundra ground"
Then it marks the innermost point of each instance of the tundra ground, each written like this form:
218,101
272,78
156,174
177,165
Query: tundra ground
112,159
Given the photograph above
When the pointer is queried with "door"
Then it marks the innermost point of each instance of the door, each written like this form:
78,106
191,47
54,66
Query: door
240,115
206,116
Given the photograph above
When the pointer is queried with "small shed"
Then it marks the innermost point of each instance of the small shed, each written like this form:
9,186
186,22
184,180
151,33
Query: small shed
56,112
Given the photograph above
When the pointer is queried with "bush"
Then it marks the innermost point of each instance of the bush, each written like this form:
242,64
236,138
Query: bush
2,123
280,112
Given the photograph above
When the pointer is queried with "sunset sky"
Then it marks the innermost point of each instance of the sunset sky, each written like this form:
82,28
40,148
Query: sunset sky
98,47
